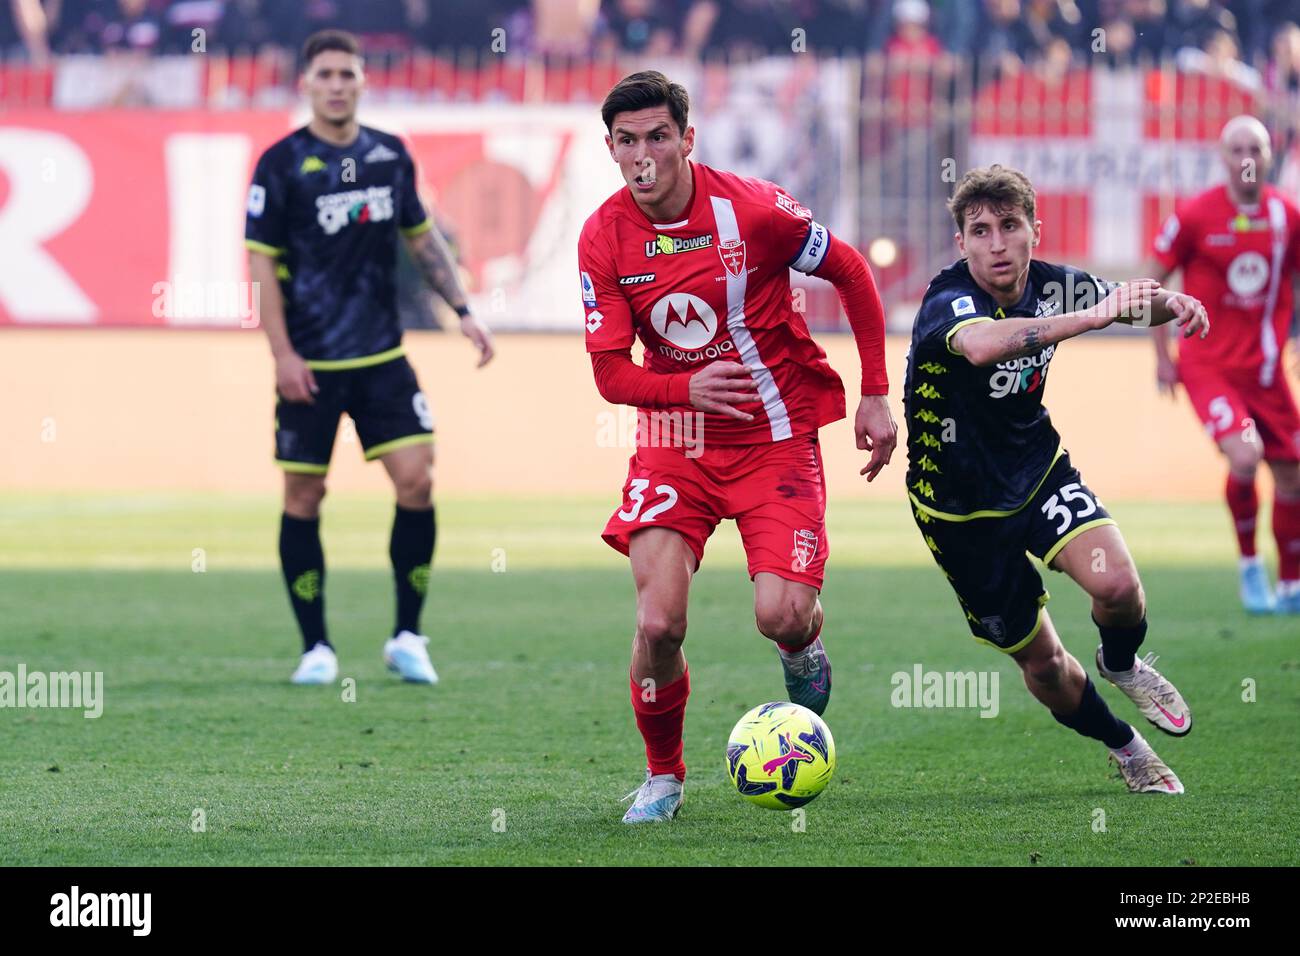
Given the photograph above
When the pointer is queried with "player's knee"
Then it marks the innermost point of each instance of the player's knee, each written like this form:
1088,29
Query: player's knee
661,631
1047,670
303,495
1243,458
786,622
1120,592
415,488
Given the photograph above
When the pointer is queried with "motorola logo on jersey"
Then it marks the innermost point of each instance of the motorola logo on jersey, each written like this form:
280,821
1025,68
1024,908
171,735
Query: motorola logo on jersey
336,210
1248,274
1022,375
685,320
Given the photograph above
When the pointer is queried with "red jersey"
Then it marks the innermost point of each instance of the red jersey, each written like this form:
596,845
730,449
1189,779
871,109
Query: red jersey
715,285
1238,260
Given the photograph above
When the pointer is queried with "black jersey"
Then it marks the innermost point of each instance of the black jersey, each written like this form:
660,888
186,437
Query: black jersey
979,441
331,214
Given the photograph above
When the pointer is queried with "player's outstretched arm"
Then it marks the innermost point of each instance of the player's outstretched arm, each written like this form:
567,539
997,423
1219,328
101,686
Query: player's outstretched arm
433,258
1138,302
293,379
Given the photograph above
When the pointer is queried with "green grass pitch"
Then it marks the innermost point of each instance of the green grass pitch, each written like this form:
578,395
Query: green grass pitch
521,754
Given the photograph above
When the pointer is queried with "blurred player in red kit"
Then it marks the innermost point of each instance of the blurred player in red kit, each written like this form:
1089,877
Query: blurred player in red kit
1239,248
696,263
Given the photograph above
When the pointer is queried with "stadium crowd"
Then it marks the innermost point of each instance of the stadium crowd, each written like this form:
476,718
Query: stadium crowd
1260,34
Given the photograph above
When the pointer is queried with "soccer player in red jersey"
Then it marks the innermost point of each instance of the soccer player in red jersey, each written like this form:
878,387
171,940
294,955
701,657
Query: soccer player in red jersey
695,262
1239,248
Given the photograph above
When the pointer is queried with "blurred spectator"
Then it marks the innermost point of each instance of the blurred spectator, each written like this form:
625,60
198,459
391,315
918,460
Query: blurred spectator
1151,40
1048,20
1193,23
744,27
912,39
1005,41
100,26
1283,74
1220,57
24,30
646,27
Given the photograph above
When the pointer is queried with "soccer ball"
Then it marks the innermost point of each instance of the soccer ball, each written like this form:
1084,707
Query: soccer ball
780,755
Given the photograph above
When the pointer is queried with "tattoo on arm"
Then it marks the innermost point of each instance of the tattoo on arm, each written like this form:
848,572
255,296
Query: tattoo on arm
1025,341
434,260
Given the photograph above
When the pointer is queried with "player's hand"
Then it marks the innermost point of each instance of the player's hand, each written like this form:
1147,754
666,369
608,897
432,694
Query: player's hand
478,333
294,380
1166,375
720,386
1189,313
1130,301
876,431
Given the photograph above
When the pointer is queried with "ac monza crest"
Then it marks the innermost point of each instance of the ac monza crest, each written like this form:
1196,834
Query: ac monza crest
805,547
733,256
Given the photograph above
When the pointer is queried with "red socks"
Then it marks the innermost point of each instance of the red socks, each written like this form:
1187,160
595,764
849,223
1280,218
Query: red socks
1286,530
660,722
1244,505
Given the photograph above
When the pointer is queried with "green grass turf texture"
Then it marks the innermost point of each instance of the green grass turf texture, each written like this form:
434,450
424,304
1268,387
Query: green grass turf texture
520,755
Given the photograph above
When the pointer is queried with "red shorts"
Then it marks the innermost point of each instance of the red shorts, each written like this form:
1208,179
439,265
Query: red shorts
776,493
1228,402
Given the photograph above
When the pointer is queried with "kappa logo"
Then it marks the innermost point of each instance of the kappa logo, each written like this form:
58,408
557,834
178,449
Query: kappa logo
685,320
732,253
312,164
668,246
1046,308
805,549
380,154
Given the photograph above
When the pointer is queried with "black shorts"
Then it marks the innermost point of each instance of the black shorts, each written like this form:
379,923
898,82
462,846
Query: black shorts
985,559
384,402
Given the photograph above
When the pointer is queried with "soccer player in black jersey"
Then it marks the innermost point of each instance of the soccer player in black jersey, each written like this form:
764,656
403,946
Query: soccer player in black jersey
325,209
990,481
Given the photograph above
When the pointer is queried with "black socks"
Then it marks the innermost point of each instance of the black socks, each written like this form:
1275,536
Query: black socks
303,563
1119,644
411,550
1094,719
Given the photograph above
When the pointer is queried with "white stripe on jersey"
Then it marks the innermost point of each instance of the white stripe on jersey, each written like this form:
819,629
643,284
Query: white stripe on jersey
724,215
1267,334
814,249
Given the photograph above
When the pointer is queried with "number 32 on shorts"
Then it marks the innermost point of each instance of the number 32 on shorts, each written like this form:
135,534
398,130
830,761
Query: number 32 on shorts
637,493
1069,494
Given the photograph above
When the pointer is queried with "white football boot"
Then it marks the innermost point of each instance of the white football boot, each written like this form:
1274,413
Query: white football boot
1154,695
318,666
656,801
1143,770
408,655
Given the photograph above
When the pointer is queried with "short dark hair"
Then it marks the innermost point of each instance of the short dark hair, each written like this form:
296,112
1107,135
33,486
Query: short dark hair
643,90
998,187
323,40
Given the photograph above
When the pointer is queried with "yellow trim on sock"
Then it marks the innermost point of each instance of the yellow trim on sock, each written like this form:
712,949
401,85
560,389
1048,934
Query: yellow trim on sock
424,438
412,231
362,361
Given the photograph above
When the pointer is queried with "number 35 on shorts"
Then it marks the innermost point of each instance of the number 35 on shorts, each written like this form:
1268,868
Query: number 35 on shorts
636,492
1070,504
